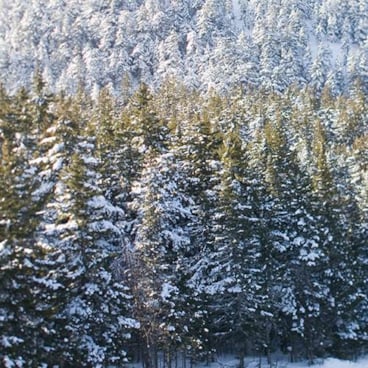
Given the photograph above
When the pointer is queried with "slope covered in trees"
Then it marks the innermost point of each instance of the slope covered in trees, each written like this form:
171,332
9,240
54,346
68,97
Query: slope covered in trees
171,223
206,44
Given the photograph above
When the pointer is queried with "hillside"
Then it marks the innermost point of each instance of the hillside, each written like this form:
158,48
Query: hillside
181,181
204,43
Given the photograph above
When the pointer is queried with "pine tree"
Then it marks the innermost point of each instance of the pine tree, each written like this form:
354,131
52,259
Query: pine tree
165,229
148,131
90,241
28,286
233,262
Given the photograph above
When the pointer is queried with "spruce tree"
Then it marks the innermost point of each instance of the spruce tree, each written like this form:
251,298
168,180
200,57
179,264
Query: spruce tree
28,286
96,325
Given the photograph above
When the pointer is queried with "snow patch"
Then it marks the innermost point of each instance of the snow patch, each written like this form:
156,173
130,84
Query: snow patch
128,322
282,362
237,14
168,290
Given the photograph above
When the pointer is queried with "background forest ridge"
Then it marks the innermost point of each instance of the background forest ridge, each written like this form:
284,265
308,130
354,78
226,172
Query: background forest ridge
206,44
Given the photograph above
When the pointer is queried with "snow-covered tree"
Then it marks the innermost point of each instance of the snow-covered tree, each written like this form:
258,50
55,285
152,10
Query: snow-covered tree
88,234
28,302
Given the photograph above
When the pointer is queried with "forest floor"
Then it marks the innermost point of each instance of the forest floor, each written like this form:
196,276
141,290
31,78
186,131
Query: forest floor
228,361
281,362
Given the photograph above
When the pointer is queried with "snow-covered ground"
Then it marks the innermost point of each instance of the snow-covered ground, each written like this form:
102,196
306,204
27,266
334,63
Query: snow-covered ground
231,362
335,363
228,362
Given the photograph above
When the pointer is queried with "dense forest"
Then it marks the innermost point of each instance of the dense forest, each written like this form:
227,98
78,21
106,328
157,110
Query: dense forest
169,222
206,44
180,179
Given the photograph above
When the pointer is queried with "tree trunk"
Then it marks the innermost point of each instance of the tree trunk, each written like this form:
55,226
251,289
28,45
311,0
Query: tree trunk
241,358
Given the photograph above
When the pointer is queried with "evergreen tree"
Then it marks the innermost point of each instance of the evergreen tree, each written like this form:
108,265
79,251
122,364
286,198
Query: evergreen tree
97,302
28,302
165,229
148,131
232,282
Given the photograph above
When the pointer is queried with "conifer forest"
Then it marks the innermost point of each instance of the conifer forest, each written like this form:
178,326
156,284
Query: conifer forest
161,207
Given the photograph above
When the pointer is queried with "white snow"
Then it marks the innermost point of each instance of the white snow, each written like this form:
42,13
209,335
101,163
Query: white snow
49,283
167,290
128,322
48,140
103,226
88,160
235,289
100,202
58,164
237,14
229,361
8,341
282,362
59,147
71,225
91,288
335,363
42,190
176,237
2,244
171,328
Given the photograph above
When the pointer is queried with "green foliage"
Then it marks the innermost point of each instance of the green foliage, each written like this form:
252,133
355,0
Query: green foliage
181,223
